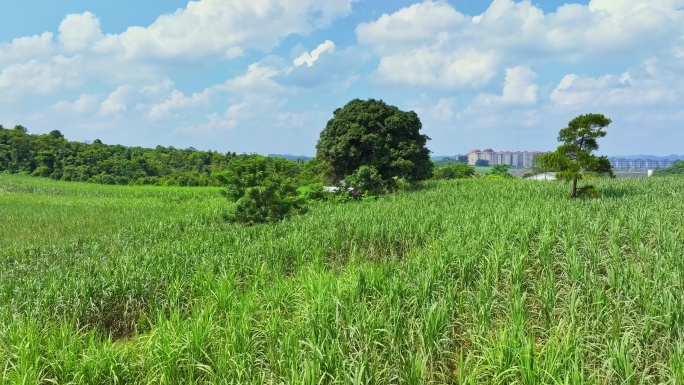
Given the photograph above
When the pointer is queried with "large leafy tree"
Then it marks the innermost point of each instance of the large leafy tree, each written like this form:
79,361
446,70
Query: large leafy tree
574,157
369,139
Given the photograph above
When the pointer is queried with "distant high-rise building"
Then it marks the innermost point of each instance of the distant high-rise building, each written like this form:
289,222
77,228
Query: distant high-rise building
521,159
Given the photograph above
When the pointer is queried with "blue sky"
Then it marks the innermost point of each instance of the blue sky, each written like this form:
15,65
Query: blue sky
264,76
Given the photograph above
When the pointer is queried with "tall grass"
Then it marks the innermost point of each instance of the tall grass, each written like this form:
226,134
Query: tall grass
466,282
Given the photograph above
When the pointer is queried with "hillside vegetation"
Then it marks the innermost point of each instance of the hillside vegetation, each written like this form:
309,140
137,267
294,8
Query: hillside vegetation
487,281
675,169
53,156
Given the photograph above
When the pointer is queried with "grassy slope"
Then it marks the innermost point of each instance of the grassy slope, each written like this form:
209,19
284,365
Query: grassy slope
482,169
478,281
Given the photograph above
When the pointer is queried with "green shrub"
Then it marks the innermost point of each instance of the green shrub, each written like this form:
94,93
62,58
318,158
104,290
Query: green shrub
589,192
42,171
273,201
313,192
500,170
263,189
367,179
102,179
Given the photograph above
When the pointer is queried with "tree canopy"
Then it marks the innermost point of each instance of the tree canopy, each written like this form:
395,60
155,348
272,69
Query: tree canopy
455,171
53,156
676,169
574,157
373,143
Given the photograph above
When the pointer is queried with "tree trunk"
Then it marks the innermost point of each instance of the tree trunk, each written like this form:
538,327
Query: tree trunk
574,187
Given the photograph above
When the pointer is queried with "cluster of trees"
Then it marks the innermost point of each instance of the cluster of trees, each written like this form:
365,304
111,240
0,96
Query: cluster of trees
378,148
368,144
676,169
53,156
446,162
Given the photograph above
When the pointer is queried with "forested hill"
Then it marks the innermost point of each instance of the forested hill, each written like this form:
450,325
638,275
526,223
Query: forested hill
52,155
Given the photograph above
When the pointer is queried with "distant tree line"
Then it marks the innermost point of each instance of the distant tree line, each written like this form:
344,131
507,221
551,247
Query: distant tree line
446,162
367,148
676,169
53,156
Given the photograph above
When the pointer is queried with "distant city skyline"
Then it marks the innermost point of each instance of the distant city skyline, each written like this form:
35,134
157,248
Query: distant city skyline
636,155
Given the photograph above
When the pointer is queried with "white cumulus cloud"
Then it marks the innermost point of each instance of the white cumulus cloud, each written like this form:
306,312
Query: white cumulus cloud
39,77
310,58
78,32
419,45
519,89
84,104
116,102
219,28
26,48
410,26
176,102
434,67
651,84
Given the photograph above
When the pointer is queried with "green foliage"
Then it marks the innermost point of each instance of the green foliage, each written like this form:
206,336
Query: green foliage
574,157
246,171
52,156
482,163
274,200
543,163
41,171
476,282
500,170
368,179
374,143
455,171
588,191
404,185
313,192
263,188
676,169
445,162
312,171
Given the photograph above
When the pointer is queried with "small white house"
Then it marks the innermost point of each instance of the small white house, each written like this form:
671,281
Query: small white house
543,176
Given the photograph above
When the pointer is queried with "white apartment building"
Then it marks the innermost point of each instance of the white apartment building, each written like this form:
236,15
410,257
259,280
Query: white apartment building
639,164
521,159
